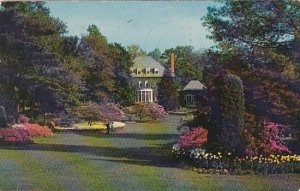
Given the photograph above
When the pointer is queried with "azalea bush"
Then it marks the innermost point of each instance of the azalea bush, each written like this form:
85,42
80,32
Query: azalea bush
140,110
152,110
194,138
36,130
110,112
156,111
264,138
14,136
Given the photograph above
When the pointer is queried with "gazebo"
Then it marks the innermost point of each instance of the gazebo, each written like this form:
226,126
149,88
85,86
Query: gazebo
189,92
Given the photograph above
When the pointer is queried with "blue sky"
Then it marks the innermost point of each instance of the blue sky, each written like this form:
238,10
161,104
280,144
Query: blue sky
149,24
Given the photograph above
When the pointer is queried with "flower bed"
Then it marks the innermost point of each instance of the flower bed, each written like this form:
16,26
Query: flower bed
221,163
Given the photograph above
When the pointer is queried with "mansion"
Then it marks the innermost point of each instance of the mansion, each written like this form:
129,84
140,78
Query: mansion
147,74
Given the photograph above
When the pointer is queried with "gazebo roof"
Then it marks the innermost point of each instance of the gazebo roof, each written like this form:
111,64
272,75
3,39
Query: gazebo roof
194,85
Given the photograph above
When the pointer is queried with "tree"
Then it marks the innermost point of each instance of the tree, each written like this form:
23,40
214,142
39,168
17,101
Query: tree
94,51
125,91
31,58
259,42
266,32
156,54
232,104
187,65
167,93
135,50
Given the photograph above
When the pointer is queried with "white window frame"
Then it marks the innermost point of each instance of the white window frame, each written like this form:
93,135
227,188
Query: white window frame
146,84
140,84
189,99
156,71
147,71
145,95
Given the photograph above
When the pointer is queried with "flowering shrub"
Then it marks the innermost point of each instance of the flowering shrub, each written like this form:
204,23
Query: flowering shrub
156,111
265,138
36,130
110,112
14,136
140,109
193,138
225,163
273,138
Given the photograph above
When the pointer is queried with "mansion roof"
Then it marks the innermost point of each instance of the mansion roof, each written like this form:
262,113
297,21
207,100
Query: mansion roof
146,66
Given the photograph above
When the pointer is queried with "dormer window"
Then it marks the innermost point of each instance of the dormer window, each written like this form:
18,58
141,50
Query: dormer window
148,71
156,71
139,71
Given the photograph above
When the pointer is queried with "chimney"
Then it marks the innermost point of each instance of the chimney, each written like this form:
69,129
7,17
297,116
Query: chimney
172,64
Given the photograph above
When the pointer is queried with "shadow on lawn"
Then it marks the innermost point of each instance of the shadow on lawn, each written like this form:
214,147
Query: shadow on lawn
137,136
145,156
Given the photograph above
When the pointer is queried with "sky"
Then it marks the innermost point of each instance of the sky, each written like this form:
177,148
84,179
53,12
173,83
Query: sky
149,24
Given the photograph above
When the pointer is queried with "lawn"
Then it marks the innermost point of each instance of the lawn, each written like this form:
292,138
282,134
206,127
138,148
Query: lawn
135,158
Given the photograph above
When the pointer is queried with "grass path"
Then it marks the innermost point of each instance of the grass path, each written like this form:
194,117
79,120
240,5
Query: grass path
136,158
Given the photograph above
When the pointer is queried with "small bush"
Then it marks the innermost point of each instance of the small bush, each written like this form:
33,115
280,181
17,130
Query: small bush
36,130
196,137
14,136
156,111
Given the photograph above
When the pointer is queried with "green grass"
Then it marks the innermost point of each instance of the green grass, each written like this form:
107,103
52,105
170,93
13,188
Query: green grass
136,158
